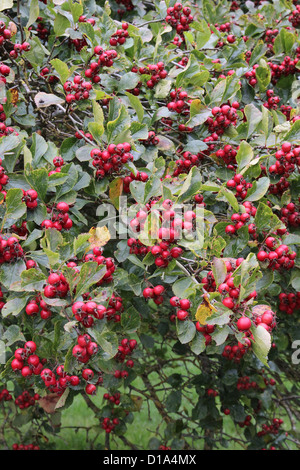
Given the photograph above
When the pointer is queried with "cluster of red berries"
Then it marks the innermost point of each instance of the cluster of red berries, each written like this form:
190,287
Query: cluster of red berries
46,73
26,361
239,220
38,305
59,217
206,330
58,162
272,428
83,135
127,4
294,18
4,130
240,185
186,161
10,250
209,282
115,308
120,36
5,33
290,302
244,383
182,306
4,72
22,230
236,352
287,67
25,400
112,159
251,75
4,179
19,48
77,90
109,424
101,260
85,313
223,28
5,395
223,116
180,102
151,140
106,59
84,349
30,198
286,110
277,256
88,375
113,399
155,293
183,61
272,102
25,447
288,158
281,186
246,422
140,176
84,19
267,319
57,286
58,381
270,37
125,349
228,154
137,247
290,214
157,72
180,18
78,43
163,447
212,393
42,30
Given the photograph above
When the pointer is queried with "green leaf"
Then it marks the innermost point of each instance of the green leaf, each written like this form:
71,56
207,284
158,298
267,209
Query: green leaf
90,274
263,75
15,207
130,320
137,105
12,335
61,24
34,11
62,69
33,280
186,331
261,344
38,180
6,4
258,189
198,113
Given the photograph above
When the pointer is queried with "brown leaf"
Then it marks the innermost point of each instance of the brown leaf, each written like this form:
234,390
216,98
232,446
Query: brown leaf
48,402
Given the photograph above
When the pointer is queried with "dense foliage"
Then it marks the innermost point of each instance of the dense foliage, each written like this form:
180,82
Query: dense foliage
150,214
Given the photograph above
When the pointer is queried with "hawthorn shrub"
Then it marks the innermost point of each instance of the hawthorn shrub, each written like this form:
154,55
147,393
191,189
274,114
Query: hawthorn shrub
150,107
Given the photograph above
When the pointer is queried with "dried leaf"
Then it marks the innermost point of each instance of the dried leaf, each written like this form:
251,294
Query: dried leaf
99,237
204,311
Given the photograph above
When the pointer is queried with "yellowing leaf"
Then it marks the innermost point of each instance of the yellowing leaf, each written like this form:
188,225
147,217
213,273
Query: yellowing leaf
99,236
12,28
14,96
204,311
115,191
